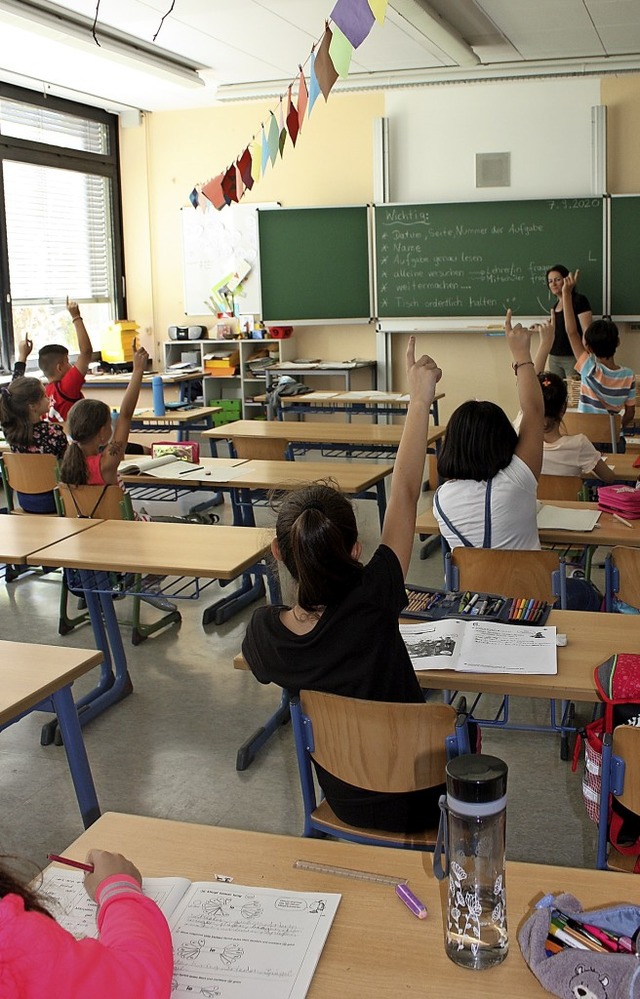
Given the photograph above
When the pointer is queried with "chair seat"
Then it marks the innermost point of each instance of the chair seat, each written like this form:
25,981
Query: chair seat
325,820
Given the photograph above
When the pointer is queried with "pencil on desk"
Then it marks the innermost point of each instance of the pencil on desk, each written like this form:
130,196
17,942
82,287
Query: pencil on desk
627,523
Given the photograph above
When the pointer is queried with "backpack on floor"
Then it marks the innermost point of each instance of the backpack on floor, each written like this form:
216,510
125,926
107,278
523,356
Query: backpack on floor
617,681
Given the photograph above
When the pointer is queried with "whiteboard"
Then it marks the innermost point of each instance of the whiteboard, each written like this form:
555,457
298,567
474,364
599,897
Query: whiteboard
213,243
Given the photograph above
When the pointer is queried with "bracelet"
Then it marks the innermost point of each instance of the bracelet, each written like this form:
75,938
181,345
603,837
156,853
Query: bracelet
519,364
75,319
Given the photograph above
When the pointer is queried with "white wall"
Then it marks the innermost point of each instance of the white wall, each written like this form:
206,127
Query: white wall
436,131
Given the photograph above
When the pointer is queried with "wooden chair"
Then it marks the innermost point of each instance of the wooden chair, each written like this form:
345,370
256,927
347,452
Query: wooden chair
31,475
35,475
507,572
111,503
376,745
560,487
598,427
622,576
620,779
626,746
535,575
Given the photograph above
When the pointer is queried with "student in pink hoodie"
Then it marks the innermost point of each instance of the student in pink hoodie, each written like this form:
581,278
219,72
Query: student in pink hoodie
131,959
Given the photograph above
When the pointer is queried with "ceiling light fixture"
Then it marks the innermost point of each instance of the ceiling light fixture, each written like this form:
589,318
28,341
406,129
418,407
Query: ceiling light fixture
59,23
436,30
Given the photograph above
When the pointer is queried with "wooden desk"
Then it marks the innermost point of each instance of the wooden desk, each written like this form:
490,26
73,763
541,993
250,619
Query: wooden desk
39,678
371,403
608,530
623,466
21,536
166,549
329,368
270,439
376,947
184,421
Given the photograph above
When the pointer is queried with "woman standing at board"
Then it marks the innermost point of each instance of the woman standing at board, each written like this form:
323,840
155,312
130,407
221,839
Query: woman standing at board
561,359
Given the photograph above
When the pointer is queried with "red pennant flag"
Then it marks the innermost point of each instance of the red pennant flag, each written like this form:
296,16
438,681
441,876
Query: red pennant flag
245,165
239,183
229,185
303,98
213,191
293,123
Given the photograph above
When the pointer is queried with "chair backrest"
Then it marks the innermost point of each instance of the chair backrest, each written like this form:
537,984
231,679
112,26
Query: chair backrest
100,502
30,473
626,744
377,745
560,487
598,427
627,562
511,573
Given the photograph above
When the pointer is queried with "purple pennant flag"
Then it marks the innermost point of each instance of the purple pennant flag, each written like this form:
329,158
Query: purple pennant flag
354,18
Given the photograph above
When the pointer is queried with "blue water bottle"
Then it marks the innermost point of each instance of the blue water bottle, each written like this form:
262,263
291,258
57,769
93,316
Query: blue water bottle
157,389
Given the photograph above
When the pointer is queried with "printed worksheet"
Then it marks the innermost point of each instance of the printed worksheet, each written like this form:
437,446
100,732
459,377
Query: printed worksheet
229,941
481,646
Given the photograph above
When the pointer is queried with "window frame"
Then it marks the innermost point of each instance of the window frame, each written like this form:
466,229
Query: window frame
45,154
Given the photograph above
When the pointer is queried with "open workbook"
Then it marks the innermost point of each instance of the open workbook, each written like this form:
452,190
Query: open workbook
169,467
559,518
228,940
481,646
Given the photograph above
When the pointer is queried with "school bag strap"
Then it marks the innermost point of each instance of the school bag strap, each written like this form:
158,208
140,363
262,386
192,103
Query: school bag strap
88,516
486,540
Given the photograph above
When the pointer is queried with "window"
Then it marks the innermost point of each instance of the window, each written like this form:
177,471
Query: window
60,203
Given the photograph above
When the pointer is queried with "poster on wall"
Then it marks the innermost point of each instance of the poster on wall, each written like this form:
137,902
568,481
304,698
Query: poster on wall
221,260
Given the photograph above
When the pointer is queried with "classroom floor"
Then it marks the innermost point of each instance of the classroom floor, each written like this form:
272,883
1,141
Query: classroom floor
169,749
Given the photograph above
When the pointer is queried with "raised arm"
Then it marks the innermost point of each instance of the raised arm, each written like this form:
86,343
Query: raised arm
530,437
84,343
24,349
570,322
114,451
398,531
547,332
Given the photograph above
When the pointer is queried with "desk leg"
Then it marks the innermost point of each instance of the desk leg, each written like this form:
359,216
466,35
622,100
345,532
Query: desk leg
76,752
249,748
224,609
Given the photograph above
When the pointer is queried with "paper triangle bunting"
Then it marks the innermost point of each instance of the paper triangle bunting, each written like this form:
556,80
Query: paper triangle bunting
273,138
213,191
314,86
340,52
326,72
303,98
244,164
355,20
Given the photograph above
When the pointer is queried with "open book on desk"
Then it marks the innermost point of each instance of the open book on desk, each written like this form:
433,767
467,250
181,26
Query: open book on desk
481,646
239,942
559,518
169,467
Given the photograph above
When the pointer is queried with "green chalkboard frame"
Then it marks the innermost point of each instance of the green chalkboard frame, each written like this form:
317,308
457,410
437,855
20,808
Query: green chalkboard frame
314,264
625,244
476,259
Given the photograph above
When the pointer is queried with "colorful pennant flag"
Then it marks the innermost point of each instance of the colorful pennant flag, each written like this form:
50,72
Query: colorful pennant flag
314,86
293,124
265,152
340,52
229,185
354,18
379,8
256,159
239,183
282,132
244,164
273,138
325,70
303,98
213,191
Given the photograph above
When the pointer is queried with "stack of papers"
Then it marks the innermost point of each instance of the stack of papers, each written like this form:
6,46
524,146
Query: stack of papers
558,518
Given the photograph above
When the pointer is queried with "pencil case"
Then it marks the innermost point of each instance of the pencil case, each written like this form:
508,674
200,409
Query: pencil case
426,603
574,972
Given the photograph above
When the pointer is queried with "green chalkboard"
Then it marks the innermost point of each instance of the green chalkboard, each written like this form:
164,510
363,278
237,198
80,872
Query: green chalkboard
625,244
480,258
314,263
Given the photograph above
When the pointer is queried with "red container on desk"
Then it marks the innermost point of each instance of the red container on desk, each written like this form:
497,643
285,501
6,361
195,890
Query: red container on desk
280,332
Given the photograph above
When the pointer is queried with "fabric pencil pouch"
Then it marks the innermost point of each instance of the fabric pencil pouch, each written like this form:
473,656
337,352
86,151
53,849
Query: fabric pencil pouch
576,972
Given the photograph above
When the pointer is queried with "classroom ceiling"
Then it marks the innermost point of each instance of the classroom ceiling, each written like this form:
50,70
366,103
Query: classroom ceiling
235,49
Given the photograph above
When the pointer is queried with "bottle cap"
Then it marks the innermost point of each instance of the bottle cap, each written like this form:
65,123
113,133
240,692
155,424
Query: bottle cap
476,778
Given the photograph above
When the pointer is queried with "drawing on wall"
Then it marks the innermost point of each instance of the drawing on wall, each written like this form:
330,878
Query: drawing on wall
220,251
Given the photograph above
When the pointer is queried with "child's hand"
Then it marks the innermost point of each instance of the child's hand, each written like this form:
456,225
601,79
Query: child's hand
423,374
547,330
518,338
24,349
106,864
140,359
73,309
570,282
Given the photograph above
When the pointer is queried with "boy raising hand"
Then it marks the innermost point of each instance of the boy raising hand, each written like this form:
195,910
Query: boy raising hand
65,380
